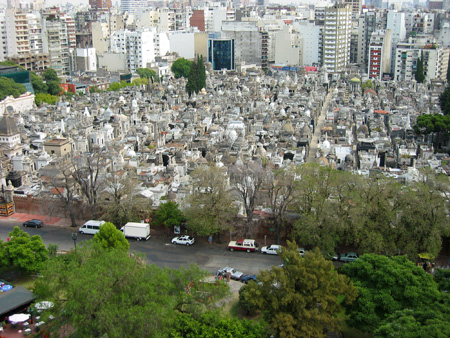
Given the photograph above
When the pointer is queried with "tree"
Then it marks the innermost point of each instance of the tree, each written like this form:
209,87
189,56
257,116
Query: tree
302,298
247,180
87,171
280,190
120,201
45,98
197,76
169,215
147,73
213,324
107,292
373,210
66,189
367,85
422,218
25,252
444,100
385,285
419,75
432,322
38,85
209,208
181,68
50,75
321,199
432,123
53,87
8,87
442,278
110,238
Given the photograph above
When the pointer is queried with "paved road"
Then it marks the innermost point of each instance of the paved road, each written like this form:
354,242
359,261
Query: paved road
314,145
158,251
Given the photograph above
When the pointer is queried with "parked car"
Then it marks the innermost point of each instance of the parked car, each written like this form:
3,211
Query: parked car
248,245
348,257
184,240
247,278
35,223
271,249
234,274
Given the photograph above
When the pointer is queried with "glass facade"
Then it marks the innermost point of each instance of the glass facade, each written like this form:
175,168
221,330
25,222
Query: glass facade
221,54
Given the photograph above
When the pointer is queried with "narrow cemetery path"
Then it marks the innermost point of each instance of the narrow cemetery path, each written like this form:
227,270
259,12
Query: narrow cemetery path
314,145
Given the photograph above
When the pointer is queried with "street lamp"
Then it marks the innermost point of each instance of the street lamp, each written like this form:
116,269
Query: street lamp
74,238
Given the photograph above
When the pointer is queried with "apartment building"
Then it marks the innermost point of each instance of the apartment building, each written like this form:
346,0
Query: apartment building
336,37
379,55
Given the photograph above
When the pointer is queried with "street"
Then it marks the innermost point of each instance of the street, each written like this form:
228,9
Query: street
158,251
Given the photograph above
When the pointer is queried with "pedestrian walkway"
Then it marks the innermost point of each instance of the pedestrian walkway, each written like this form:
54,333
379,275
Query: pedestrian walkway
314,145
48,220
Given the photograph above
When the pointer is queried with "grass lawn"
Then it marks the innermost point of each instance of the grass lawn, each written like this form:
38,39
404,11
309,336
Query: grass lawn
18,277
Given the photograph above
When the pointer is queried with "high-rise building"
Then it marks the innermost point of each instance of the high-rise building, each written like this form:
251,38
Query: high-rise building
247,41
133,6
221,53
379,55
100,5
336,37
355,6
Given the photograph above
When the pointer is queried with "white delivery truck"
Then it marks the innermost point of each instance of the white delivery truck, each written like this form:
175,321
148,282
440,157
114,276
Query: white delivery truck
137,230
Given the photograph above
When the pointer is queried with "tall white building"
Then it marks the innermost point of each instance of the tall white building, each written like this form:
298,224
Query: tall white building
139,47
336,37
15,35
396,22
311,36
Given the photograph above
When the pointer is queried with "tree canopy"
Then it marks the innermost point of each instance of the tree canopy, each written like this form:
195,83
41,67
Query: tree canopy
212,325
209,208
147,73
181,68
418,74
110,238
23,251
432,123
386,285
107,292
444,100
168,214
8,87
197,76
302,298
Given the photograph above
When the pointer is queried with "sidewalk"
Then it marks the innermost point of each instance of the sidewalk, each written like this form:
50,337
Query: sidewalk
48,220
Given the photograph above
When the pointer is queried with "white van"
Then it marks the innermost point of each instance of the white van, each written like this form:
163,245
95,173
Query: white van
91,227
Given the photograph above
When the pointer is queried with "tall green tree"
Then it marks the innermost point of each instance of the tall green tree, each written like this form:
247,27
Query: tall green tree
23,251
9,87
197,76
109,238
209,209
419,75
385,285
321,207
280,192
38,85
444,100
302,298
52,81
193,79
169,215
110,292
181,68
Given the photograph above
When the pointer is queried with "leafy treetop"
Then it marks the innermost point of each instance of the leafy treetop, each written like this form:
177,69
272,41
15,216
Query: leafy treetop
302,298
